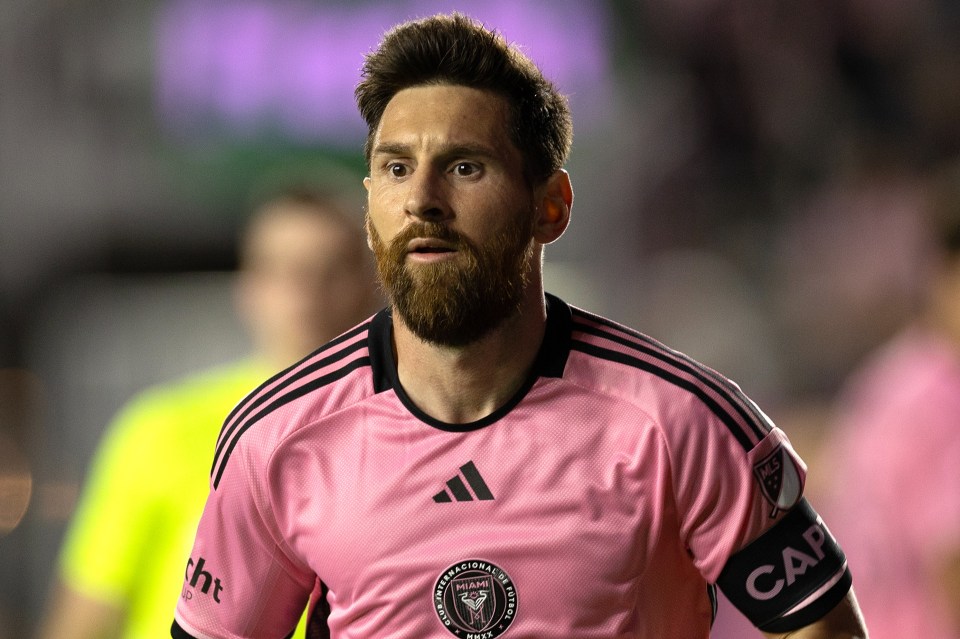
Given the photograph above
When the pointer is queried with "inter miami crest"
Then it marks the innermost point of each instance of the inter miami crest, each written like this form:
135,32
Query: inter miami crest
779,479
475,598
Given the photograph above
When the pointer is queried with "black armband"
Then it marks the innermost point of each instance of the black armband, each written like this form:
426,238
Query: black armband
790,576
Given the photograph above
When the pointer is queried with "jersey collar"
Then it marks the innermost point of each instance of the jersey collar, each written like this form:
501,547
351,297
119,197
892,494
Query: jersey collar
550,362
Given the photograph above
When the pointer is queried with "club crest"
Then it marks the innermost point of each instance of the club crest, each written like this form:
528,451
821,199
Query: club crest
779,479
475,599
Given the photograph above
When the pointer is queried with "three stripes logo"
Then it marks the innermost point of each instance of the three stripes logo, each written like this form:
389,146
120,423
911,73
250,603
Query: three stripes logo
461,490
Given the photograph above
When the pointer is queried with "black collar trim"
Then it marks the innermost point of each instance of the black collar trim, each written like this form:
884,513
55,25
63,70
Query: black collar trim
550,362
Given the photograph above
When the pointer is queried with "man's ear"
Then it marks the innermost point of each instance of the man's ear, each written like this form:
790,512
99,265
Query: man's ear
554,202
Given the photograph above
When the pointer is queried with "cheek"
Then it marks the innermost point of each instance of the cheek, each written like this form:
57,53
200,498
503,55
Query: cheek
513,220
384,196
381,226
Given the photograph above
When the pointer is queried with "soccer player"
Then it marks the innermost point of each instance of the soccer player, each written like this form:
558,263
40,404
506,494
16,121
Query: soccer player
481,459
895,450
304,276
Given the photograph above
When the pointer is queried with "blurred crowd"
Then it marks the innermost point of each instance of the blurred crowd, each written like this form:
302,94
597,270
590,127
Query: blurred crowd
766,186
821,168
811,130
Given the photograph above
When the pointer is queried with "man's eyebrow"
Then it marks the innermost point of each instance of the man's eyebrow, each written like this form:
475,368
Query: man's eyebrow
452,151
469,150
391,148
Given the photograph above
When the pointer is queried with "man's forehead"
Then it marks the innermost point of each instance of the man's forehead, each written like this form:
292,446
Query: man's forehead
442,117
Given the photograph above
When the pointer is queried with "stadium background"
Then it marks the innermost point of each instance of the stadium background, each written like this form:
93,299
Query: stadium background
747,177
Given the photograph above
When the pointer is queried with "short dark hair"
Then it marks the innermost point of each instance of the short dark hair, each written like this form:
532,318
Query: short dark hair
456,50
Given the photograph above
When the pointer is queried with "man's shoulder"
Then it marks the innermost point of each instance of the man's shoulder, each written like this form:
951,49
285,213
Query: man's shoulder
671,387
330,380
601,344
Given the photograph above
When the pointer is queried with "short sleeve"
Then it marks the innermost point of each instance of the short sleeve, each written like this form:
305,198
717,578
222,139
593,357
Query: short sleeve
729,493
240,581
748,527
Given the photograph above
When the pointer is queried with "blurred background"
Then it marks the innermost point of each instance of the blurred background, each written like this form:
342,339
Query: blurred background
747,178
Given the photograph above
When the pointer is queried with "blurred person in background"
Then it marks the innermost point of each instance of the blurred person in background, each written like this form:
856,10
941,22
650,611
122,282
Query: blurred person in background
894,502
304,276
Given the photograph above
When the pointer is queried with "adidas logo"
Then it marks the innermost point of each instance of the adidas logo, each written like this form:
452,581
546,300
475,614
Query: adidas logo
460,490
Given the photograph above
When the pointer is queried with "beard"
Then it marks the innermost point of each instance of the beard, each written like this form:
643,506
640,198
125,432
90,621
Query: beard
456,302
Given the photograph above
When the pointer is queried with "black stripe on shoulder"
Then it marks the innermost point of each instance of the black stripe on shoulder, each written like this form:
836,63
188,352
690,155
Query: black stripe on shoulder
331,344
758,423
622,358
280,401
255,400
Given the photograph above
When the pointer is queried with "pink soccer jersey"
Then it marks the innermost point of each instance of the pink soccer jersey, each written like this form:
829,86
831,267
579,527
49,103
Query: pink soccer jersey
604,500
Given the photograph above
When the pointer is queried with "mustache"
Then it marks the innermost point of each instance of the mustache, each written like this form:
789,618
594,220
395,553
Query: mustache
431,230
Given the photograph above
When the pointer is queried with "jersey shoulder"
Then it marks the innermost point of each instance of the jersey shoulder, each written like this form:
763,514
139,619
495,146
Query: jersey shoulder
335,376
671,387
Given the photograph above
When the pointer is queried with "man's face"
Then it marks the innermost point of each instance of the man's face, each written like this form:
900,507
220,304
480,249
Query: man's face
302,281
449,214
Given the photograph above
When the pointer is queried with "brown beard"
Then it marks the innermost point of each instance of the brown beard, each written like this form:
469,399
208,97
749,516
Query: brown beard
457,302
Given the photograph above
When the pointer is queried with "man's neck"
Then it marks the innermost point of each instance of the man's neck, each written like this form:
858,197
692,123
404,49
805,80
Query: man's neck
459,385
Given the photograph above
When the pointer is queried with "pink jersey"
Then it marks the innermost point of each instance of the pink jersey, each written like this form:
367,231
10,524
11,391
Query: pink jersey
895,455
603,500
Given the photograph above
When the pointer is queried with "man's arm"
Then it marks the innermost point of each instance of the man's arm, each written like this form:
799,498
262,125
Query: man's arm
79,616
843,622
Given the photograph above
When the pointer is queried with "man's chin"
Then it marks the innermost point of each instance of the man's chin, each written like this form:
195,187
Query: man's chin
437,324
459,337
431,273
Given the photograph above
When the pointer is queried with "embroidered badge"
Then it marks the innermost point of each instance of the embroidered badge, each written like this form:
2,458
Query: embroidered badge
475,599
779,480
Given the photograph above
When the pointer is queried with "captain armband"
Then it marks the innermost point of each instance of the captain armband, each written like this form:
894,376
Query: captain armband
790,576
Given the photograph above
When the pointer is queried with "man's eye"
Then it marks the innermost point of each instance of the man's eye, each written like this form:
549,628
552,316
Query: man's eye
465,168
397,170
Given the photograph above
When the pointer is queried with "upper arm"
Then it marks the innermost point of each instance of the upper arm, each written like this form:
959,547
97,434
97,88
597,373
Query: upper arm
751,532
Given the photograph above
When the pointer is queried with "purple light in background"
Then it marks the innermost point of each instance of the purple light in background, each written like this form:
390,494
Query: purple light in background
248,68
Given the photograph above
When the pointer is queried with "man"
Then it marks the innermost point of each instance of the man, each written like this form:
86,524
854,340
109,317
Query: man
303,278
480,460
895,451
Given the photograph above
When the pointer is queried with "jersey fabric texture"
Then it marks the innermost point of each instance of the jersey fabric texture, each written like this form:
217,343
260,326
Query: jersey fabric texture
602,500
896,502
145,491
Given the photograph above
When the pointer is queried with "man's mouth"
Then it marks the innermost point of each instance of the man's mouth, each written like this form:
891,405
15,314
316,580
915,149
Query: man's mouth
428,246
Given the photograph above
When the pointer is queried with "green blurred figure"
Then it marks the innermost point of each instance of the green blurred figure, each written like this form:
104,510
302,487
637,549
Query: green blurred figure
304,277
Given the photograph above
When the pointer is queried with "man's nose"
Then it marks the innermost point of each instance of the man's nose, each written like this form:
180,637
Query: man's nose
427,196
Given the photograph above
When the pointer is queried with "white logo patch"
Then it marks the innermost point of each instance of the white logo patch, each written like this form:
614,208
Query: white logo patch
779,479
